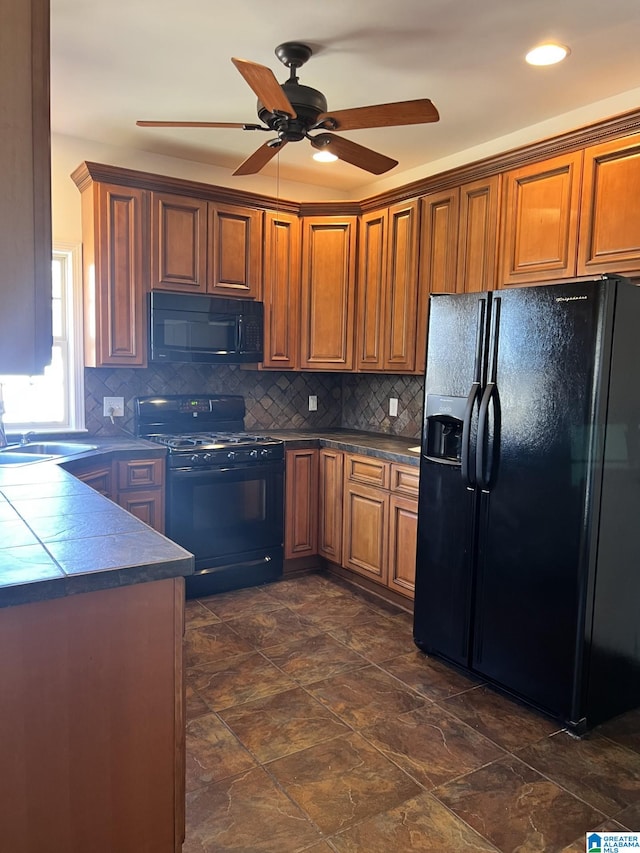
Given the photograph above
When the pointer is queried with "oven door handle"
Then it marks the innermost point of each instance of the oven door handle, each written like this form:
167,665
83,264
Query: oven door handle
215,473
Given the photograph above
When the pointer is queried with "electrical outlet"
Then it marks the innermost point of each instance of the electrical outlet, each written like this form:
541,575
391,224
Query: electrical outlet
313,403
393,407
113,407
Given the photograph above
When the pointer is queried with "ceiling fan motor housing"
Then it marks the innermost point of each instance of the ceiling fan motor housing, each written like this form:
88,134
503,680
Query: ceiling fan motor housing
308,104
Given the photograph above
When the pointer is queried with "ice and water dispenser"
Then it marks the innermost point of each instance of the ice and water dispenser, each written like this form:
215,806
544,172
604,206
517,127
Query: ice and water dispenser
443,434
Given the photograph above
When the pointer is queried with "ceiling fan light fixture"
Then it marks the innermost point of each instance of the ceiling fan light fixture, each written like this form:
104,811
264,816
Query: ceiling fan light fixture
324,157
547,54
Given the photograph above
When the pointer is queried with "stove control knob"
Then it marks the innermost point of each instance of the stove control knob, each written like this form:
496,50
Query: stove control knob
195,458
264,452
207,457
231,455
253,454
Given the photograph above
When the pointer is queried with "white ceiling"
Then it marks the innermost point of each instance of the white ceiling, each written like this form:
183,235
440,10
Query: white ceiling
118,61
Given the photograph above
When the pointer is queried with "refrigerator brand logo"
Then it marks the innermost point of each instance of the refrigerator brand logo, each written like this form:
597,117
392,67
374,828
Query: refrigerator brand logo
570,298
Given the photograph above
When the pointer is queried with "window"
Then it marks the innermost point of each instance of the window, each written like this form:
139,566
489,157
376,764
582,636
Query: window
54,402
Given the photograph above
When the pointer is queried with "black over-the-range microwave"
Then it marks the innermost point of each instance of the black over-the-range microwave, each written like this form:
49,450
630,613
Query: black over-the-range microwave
207,329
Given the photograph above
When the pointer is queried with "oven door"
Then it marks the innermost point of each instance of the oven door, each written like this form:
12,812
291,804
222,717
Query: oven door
226,515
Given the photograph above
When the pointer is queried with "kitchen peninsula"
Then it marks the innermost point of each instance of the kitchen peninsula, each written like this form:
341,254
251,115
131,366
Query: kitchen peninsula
91,707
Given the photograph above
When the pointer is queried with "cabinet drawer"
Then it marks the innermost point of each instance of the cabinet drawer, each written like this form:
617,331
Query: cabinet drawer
404,479
367,469
140,473
99,478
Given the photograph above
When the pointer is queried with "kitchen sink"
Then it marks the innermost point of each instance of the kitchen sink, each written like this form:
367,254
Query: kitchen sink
53,448
11,457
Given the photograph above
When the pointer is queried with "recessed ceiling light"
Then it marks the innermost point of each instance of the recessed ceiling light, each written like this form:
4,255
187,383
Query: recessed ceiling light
547,54
324,157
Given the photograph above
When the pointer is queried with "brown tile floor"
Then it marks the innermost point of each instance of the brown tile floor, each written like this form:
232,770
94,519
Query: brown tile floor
314,724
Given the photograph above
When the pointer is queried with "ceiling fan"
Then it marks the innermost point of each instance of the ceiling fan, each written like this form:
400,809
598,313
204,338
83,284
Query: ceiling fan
293,112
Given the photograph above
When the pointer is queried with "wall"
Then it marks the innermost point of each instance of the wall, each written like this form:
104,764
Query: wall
273,399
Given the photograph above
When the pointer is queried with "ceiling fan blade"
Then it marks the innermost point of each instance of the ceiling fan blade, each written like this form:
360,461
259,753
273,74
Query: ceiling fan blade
383,115
263,82
353,153
194,124
258,159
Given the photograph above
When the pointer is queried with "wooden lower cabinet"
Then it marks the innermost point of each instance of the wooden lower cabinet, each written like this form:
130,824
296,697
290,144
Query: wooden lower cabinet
99,477
301,503
358,512
137,485
365,531
141,490
380,521
331,483
92,722
403,542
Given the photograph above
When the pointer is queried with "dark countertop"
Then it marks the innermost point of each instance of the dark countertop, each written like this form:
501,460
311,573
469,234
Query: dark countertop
60,537
392,447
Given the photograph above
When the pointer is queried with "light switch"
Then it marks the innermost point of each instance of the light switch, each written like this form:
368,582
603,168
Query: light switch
393,407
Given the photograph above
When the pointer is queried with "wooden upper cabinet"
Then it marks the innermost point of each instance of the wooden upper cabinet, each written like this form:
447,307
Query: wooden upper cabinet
372,280
401,306
114,240
200,246
610,215
178,243
439,241
235,251
478,235
281,276
328,291
25,200
540,220
388,289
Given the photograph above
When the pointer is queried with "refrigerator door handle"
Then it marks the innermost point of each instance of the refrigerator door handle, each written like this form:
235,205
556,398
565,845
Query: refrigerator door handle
465,468
483,479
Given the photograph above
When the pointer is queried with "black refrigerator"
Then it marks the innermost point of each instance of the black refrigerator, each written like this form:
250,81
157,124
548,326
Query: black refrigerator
528,562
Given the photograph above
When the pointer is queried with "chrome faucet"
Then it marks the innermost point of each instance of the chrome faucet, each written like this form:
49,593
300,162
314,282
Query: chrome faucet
26,437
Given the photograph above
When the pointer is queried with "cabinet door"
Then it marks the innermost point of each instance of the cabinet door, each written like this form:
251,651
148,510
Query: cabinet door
365,531
140,473
403,541
477,236
281,290
610,215
99,478
331,465
235,251
439,241
147,505
178,243
114,275
301,503
141,489
401,296
372,278
328,288
25,200
540,220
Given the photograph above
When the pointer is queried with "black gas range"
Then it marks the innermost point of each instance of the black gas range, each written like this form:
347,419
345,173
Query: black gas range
225,488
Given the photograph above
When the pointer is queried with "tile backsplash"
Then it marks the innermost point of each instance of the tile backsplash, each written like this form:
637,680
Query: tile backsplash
274,400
